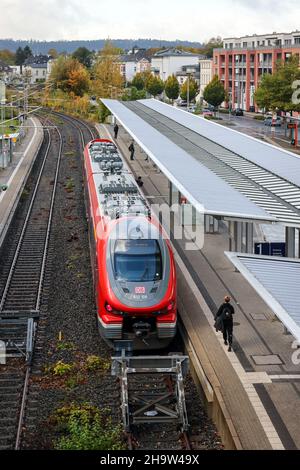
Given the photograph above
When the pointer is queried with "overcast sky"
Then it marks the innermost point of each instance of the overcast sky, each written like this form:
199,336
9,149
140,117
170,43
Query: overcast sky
194,20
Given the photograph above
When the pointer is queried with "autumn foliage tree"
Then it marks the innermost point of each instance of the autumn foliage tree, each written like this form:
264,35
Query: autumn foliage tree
154,85
189,85
140,79
107,79
172,87
7,56
70,76
214,93
275,92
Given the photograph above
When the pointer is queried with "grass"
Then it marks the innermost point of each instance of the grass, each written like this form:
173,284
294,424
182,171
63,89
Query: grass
62,368
85,427
94,363
213,118
70,185
8,130
65,346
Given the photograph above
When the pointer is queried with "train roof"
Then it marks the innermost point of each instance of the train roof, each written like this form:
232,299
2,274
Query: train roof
117,191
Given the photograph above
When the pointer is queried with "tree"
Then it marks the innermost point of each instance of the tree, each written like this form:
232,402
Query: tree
140,79
212,44
84,56
138,82
20,58
275,91
214,93
154,85
27,52
107,79
172,87
193,89
69,75
132,94
7,56
53,52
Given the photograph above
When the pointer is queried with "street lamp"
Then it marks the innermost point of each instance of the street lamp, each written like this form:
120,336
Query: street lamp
189,72
164,75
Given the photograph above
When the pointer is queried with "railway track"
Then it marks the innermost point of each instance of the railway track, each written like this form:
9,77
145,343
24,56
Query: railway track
21,287
21,296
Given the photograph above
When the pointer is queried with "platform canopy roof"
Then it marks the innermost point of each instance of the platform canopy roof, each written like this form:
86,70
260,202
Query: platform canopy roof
277,160
277,281
202,187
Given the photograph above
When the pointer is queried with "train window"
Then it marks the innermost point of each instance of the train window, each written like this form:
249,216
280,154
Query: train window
137,261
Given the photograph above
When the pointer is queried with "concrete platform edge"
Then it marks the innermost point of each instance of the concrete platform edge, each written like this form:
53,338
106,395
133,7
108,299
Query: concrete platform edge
35,145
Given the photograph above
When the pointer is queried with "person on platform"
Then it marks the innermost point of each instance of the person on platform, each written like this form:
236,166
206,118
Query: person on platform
131,150
224,321
116,130
140,182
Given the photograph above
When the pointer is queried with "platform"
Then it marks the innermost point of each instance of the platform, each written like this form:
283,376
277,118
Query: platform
257,386
16,174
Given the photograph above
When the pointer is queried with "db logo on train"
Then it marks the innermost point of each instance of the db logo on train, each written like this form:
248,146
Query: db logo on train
140,290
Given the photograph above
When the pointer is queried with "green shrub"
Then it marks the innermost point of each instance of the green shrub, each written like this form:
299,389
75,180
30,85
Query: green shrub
61,368
259,117
86,428
65,345
97,363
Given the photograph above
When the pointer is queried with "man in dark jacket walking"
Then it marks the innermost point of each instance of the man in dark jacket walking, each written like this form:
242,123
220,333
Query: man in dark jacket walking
116,130
224,321
131,150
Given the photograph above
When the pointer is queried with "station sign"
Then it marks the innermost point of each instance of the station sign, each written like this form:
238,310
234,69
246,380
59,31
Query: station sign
270,249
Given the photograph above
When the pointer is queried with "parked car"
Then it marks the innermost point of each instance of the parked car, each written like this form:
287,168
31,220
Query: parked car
207,112
192,108
273,121
252,109
237,112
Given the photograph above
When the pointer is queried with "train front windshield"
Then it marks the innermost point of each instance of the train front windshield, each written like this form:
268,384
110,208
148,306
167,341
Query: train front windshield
137,260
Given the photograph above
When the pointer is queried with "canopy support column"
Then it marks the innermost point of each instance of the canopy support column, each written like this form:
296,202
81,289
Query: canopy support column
290,241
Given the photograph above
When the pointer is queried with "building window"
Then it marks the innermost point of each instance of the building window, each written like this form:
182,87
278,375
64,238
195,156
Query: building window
245,44
297,40
287,42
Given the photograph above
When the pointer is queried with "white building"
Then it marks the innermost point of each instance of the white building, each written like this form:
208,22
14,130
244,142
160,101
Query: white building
192,71
206,74
38,67
264,40
170,61
6,71
134,62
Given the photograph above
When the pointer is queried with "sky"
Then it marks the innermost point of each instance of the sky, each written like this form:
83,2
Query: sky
193,20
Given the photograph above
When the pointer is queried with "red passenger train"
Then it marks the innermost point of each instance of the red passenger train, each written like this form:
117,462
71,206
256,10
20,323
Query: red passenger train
133,264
